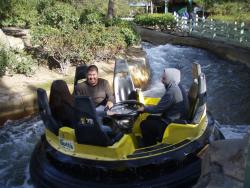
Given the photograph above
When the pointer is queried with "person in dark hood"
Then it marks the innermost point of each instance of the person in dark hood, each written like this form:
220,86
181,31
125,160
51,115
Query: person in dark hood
172,106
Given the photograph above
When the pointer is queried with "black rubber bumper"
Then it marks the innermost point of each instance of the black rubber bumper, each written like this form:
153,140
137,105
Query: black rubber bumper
45,174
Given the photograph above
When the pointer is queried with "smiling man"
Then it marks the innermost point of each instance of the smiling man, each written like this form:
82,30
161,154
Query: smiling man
97,88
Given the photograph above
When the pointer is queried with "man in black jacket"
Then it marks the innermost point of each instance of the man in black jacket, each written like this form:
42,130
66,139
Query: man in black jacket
172,106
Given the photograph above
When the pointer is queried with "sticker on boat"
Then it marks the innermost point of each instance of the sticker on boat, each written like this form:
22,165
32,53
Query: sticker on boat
67,144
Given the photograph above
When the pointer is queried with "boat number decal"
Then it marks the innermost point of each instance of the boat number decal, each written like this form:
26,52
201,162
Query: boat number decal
67,144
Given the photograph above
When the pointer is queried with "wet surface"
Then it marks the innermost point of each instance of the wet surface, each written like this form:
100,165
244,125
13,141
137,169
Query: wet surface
17,141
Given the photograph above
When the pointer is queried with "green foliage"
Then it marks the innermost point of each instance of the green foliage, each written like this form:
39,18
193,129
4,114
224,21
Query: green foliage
3,61
129,35
162,20
128,30
100,6
21,64
15,62
211,3
5,9
70,28
229,10
44,4
88,42
91,17
200,2
18,13
121,8
245,17
59,15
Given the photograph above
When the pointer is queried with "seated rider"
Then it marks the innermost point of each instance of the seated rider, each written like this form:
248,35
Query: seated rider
98,89
172,106
62,104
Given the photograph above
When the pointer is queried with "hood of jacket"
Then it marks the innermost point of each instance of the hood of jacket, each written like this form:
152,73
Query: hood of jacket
171,76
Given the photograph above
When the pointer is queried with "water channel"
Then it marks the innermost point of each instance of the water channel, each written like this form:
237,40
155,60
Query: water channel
228,100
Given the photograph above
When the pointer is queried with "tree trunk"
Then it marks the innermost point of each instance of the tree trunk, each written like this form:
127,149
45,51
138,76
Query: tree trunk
111,9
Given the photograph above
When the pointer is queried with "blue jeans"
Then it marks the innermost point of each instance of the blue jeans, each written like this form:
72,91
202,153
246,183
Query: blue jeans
100,112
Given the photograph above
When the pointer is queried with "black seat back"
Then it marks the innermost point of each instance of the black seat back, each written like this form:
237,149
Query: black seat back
124,88
45,112
80,73
89,130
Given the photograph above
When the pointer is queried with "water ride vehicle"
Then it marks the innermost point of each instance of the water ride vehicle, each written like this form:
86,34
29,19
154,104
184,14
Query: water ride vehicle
87,156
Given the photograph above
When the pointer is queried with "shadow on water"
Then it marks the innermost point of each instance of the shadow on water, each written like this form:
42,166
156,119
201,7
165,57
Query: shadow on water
4,93
16,103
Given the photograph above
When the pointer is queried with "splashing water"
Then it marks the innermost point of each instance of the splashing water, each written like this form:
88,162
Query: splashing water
227,83
17,141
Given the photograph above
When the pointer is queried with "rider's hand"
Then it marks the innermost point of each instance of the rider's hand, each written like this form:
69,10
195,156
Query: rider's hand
109,104
141,109
110,113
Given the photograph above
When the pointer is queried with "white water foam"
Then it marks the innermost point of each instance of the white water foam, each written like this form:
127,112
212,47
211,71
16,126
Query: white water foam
17,141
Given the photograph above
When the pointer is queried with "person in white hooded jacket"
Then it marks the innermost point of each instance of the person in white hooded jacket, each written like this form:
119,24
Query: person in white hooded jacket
172,106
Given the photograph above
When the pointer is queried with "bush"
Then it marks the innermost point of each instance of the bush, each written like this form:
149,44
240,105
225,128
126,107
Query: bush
59,15
130,36
18,13
15,62
230,11
6,7
88,42
127,29
3,61
43,5
21,64
161,20
91,17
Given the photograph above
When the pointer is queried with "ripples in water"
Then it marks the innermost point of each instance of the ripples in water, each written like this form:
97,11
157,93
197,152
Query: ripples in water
227,83
17,141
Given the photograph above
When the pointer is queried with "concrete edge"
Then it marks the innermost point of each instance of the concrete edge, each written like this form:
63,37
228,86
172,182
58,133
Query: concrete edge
219,48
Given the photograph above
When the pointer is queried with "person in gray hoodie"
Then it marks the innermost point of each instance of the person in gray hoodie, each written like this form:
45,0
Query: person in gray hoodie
172,106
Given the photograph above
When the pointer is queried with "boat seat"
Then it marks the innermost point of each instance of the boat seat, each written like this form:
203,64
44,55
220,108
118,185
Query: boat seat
45,112
80,73
124,88
89,131
197,99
